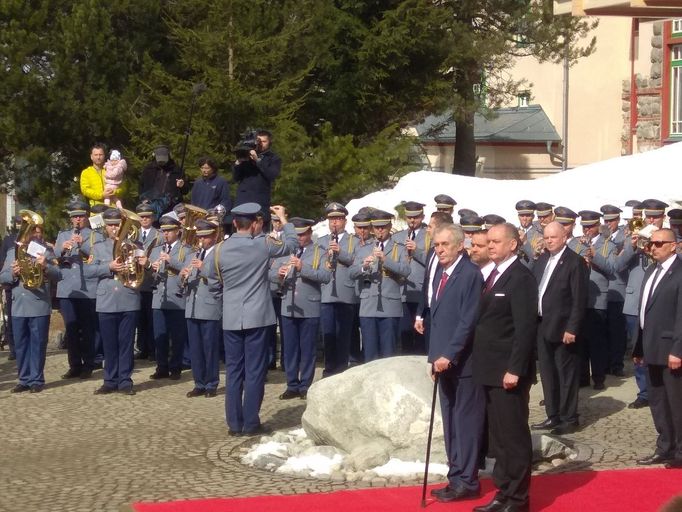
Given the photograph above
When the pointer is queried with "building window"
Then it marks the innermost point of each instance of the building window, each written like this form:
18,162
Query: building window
524,99
677,27
676,90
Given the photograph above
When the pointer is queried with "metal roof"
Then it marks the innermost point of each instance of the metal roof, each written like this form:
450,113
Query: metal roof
521,124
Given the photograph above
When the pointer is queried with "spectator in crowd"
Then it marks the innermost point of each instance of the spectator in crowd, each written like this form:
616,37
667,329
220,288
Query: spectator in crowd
162,182
210,189
92,178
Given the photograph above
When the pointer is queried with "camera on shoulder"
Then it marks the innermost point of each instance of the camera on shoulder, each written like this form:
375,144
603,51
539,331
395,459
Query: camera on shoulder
248,142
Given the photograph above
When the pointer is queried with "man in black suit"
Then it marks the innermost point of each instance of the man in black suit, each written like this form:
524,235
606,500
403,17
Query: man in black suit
454,308
562,298
659,343
503,362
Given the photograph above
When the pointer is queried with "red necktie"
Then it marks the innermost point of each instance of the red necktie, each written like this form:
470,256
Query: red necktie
441,286
490,282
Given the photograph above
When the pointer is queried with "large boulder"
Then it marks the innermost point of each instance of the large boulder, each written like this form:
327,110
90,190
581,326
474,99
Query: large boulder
376,411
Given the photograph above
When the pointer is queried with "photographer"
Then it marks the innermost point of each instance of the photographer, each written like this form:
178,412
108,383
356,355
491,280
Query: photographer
255,170
162,182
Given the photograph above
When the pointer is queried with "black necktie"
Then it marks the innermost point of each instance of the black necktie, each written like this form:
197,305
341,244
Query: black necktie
412,235
381,246
490,282
168,248
299,253
144,236
659,268
202,254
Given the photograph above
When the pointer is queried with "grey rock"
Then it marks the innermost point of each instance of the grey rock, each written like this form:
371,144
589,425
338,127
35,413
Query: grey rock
380,407
658,28
656,70
657,41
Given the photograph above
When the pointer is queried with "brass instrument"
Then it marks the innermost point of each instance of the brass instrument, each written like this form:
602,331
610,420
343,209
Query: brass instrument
376,264
634,226
189,232
538,246
125,250
30,272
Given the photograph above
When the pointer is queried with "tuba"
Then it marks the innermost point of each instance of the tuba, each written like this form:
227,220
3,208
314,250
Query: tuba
30,273
125,250
189,232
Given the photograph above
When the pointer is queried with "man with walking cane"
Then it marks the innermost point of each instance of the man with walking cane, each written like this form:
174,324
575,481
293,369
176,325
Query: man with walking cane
457,286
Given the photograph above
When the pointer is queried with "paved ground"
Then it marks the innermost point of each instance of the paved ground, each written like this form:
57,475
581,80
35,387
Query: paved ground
68,450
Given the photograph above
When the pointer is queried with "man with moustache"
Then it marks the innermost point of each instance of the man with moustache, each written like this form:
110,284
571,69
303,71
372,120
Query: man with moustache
504,364
457,291
659,343
562,298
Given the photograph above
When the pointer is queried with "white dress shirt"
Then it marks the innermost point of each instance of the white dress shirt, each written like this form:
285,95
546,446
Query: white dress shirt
546,275
648,290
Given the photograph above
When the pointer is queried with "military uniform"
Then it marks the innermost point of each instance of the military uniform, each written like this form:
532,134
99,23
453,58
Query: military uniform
76,294
203,309
380,292
412,341
602,268
361,221
339,296
532,234
241,270
170,328
149,238
301,311
616,297
117,309
31,309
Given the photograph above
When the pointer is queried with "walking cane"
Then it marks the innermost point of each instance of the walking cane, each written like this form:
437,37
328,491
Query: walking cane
428,441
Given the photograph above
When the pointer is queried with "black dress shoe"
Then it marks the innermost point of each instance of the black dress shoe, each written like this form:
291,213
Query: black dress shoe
37,388
565,429
195,392
85,374
304,395
618,372
128,391
12,357
141,355
639,403
20,388
653,459
674,464
175,375
515,507
105,390
439,491
545,425
98,366
598,386
158,374
495,505
73,373
210,393
288,395
457,494
259,430
234,433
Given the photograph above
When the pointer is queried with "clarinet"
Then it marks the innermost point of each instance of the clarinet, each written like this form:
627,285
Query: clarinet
182,287
333,257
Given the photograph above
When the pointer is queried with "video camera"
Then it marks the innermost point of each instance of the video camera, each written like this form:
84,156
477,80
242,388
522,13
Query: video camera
244,147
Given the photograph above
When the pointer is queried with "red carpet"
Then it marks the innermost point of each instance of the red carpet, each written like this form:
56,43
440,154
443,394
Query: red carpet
637,490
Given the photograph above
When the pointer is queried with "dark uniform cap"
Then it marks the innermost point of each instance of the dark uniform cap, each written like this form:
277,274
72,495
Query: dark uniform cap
473,224
544,209
77,207
444,201
144,209
301,225
493,220
168,223
525,207
564,215
98,208
111,216
589,218
361,220
610,212
675,217
381,218
204,227
179,210
413,208
465,212
335,210
634,204
248,210
653,207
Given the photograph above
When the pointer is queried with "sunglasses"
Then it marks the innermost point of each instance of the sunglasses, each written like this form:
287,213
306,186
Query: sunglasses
660,243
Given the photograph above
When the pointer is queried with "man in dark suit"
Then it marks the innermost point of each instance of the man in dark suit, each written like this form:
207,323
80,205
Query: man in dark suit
562,298
503,362
659,343
457,291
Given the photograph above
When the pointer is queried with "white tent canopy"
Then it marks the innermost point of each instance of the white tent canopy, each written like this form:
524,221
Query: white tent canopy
655,174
